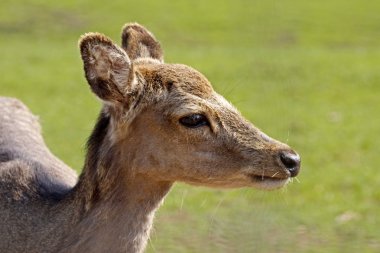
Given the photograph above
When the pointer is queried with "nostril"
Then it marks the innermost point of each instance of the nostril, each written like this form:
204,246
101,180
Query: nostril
288,160
291,162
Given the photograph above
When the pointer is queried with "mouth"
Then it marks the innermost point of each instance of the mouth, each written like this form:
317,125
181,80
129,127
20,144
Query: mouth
268,182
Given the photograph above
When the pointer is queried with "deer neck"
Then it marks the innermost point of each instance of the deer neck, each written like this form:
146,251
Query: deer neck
118,220
116,205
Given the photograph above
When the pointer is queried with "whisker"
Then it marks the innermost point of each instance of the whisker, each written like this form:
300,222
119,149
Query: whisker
216,210
203,203
284,189
287,138
150,242
184,193
275,174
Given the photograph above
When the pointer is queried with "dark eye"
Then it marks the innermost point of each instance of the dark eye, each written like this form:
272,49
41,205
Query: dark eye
194,120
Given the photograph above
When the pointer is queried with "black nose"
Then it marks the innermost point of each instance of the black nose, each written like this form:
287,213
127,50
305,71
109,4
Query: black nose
291,161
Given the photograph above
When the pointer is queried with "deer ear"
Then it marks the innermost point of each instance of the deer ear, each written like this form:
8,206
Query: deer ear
107,67
138,42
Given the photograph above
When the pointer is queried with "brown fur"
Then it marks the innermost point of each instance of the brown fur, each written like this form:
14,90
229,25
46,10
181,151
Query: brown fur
137,150
139,42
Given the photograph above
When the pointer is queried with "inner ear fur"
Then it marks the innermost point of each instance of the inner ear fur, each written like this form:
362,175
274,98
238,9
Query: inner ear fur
107,67
138,42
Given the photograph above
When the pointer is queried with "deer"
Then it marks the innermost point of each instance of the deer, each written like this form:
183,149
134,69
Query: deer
159,124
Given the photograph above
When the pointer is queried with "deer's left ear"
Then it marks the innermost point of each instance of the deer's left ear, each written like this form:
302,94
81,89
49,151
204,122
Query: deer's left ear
107,67
138,42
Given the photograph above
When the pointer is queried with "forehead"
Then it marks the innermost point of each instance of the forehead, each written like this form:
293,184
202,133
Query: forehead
183,77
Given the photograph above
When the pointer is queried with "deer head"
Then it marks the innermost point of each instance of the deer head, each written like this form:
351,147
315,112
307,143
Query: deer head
165,121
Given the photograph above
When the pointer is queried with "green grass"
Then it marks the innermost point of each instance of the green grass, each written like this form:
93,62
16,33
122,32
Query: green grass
306,72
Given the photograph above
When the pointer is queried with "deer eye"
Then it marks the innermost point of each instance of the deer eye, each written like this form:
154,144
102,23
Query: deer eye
194,121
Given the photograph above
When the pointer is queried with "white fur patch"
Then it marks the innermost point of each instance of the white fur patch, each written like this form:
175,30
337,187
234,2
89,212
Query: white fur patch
144,51
146,60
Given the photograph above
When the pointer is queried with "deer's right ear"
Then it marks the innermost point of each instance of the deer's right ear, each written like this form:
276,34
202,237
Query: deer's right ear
107,67
138,42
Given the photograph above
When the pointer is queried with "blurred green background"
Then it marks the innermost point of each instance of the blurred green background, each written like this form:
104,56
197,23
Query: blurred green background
306,72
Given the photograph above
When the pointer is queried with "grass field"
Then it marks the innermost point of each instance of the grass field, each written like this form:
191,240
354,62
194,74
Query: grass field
305,72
